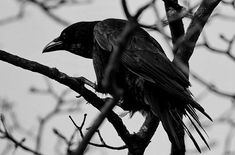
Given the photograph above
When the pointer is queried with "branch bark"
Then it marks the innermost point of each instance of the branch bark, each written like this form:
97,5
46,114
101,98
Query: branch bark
185,46
143,137
73,83
176,26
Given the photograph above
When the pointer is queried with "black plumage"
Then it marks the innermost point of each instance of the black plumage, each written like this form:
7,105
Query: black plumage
151,82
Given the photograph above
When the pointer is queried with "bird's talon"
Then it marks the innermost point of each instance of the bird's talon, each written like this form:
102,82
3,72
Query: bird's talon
87,82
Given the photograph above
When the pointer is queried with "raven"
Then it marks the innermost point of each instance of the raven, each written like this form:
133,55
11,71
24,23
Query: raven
151,82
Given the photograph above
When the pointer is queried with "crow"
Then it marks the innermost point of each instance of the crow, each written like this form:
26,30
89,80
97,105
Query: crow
151,82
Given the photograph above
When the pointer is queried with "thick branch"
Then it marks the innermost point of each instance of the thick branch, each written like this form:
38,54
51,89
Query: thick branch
176,26
187,44
143,136
73,83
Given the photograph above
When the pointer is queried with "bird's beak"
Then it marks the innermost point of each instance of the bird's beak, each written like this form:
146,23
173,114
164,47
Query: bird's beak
54,45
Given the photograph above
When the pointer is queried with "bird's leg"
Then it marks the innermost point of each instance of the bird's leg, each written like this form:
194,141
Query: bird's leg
87,82
97,87
100,88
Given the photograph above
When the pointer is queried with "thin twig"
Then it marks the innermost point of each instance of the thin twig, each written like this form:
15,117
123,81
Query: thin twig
227,51
7,135
211,86
103,144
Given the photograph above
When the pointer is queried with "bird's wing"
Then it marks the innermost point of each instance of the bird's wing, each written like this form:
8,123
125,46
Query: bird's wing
143,55
153,68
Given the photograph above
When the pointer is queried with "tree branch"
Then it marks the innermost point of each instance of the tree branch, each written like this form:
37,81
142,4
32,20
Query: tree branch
176,26
103,143
227,51
7,135
73,83
143,136
187,43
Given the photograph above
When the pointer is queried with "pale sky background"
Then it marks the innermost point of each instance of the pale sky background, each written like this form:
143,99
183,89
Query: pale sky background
28,36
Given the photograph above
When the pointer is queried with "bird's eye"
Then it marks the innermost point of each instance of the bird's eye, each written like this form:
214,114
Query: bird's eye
63,36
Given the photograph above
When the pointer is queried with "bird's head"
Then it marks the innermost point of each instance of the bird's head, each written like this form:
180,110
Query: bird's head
76,38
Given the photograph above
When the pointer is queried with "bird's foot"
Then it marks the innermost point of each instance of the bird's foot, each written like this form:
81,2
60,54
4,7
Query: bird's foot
100,88
97,87
86,81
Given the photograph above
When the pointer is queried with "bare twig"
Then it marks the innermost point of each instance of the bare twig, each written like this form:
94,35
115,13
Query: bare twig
229,3
47,10
227,51
16,17
95,125
212,87
103,143
223,16
5,134
228,140
60,101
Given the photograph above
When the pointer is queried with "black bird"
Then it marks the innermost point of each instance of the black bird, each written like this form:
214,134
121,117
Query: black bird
151,82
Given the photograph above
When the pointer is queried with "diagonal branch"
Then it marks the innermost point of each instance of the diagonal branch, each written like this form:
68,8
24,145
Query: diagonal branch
73,83
185,46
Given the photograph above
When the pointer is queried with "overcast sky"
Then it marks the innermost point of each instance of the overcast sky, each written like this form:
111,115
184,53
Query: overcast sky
28,36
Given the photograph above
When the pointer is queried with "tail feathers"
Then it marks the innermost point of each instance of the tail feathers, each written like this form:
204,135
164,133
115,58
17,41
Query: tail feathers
170,126
193,104
172,119
170,114
198,131
200,108
193,117
191,111
188,132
